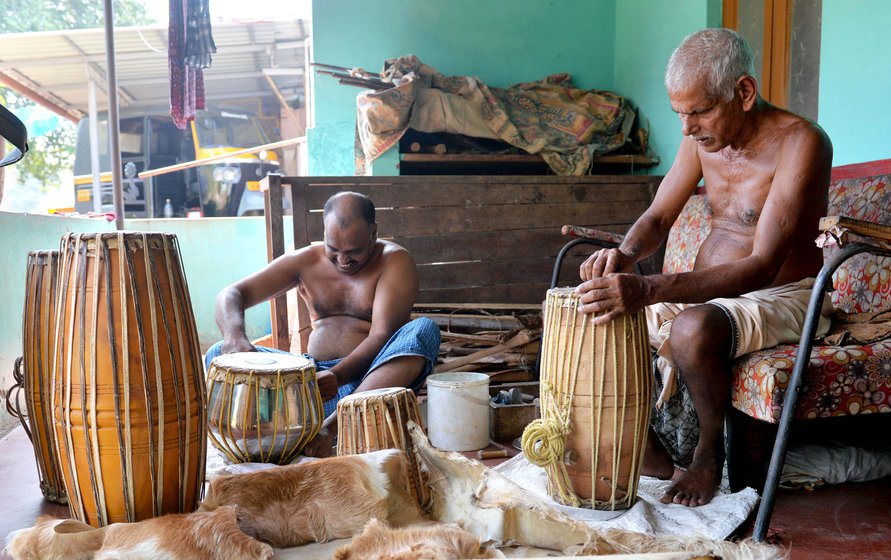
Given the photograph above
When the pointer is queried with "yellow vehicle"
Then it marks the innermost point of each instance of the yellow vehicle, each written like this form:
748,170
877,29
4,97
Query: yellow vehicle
227,187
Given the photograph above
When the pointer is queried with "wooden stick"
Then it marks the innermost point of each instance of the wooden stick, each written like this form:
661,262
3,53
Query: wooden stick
861,227
281,100
519,339
447,320
330,66
203,161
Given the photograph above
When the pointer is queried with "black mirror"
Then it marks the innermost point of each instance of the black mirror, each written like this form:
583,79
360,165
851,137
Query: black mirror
12,129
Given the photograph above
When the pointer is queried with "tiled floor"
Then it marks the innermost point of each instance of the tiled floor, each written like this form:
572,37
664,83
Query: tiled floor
849,521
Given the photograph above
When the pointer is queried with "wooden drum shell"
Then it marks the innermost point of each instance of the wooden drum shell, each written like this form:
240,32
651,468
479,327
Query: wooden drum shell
128,387
262,407
378,419
611,398
38,338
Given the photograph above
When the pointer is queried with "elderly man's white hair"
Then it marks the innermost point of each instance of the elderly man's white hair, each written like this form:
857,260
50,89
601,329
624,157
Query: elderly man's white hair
712,58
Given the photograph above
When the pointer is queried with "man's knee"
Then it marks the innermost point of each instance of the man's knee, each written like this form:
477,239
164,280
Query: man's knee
700,333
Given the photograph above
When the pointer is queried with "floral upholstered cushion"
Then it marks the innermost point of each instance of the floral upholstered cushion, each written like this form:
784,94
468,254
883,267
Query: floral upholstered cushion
863,283
686,235
840,381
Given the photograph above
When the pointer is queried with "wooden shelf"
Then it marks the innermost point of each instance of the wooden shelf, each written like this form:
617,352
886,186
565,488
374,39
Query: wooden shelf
460,164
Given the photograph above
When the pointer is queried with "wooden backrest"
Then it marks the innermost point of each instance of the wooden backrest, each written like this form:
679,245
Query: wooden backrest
476,239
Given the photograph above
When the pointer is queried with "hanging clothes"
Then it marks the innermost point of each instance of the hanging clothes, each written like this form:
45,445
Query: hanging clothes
190,46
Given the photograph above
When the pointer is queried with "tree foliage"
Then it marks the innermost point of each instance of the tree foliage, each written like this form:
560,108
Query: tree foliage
52,153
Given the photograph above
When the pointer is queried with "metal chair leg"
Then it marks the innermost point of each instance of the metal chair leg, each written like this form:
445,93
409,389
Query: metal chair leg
802,359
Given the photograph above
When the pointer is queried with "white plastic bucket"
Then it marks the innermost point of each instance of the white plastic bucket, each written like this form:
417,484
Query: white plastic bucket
458,411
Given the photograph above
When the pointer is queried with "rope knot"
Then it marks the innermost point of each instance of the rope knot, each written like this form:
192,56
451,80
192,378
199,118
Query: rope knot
544,441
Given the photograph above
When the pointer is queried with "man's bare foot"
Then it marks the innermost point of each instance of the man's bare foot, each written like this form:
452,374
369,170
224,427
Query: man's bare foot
697,485
656,461
321,445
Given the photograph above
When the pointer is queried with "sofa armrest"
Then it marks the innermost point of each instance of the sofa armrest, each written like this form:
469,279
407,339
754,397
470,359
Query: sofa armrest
608,238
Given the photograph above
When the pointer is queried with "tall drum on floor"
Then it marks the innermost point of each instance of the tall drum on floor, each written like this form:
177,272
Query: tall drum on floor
33,381
596,394
128,393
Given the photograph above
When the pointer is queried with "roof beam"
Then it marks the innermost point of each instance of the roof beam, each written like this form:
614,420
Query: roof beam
22,89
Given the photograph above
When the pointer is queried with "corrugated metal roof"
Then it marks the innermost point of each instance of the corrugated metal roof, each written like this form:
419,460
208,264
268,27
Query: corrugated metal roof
59,64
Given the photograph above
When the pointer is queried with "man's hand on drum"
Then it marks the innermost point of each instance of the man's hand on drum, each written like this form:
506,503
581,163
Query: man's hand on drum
605,261
607,289
328,386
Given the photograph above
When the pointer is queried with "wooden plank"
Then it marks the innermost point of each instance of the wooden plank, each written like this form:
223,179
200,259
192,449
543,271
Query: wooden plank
408,222
366,181
519,339
860,227
492,245
532,292
521,307
471,194
302,324
465,321
275,247
485,273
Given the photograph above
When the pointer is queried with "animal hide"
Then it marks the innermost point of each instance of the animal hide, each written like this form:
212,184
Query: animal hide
193,536
431,542
318,501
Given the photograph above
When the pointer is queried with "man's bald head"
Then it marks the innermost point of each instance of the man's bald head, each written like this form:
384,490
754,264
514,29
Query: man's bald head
346,207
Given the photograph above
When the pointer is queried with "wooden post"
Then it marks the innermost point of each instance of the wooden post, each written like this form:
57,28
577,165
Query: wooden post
271,186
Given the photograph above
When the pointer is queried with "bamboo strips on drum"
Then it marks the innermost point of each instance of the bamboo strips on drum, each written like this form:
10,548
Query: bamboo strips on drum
38,338
596,395
378,419
128,394
263,406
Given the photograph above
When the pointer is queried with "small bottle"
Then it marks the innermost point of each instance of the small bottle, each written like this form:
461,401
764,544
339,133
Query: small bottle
168,209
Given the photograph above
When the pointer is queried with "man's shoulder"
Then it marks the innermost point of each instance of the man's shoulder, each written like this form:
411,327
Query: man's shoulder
792,127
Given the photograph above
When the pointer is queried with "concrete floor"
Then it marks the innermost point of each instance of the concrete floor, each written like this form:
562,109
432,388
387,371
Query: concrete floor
847,521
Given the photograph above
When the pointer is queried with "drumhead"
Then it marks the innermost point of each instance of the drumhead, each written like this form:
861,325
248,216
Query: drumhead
262,361
386,391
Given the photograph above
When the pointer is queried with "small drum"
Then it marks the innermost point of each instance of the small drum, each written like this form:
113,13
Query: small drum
378,419
128,395
38,337
596,394
262,407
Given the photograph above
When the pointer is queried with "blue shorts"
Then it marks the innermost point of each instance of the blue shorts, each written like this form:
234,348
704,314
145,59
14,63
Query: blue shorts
419,337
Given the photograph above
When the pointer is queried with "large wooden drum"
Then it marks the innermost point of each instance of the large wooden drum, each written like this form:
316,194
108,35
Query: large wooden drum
128,393
378,419
38,337
596,394
262,407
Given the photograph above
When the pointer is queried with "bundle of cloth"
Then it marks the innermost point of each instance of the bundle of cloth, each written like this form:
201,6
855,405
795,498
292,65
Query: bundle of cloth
566,125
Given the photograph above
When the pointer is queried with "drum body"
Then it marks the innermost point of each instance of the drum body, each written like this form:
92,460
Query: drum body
38,337
128,393
378,419
599,389
262,407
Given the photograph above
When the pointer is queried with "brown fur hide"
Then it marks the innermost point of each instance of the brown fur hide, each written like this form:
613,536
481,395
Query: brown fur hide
429,542
318,501
193,536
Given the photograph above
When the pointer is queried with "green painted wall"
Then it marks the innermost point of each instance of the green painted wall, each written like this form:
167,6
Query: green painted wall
501,41
647,32
855,79
215,252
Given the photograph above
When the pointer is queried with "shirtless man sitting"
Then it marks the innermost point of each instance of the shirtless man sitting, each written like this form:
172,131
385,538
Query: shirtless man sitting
767,177
360,291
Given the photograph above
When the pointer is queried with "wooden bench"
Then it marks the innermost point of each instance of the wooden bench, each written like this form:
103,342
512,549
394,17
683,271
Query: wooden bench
476,239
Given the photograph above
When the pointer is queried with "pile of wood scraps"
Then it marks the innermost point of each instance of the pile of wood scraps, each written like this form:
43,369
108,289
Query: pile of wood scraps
500,340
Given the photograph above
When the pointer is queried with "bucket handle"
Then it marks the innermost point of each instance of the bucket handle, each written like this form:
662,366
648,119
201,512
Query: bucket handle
469,398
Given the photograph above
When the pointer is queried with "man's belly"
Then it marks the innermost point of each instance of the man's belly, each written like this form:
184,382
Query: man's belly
336,336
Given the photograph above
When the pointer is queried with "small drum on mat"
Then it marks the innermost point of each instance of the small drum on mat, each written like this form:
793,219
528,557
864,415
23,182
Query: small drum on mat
38,337
378,419
261,406
128,395
596,395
